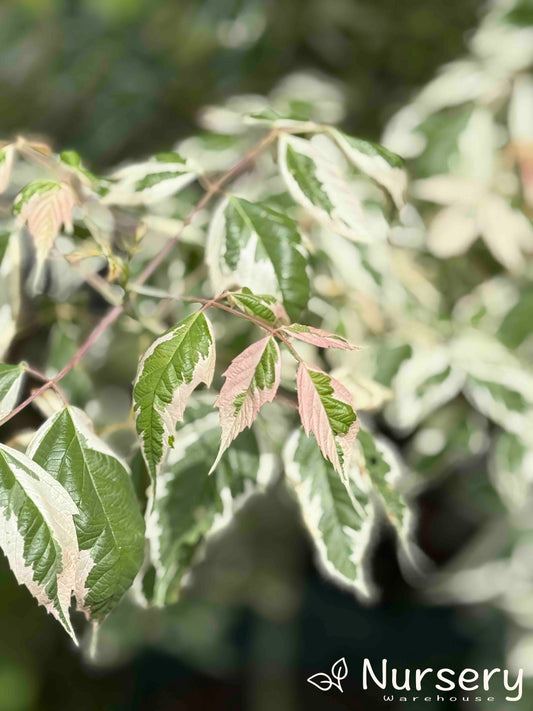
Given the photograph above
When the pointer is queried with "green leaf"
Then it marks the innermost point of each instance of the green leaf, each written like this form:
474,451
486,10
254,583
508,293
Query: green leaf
389,360
303,170
326,410
169,157
504,395
383,469
380,164
340,530
11,379
109,525
37,187
449,437
151,181
37,532
317,182
422,383
174,365
262,306
517,324
154,179
4,241
510,469
251,245
74,161
190,505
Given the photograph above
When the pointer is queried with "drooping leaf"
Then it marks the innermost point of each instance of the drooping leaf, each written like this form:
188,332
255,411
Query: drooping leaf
517,324
339,530
174,365
251,245
109,525
316,182
380,164
190,505
326,410
151,181
261,306
11,379
511,469
37,532
45,206
382,467
317,337
504,395
7,159
252,380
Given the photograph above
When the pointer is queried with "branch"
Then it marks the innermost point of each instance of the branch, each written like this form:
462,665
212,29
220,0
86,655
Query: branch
159,294
116,311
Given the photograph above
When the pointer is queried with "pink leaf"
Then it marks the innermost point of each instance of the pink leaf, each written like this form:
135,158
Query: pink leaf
326,410
45,213
252,379
317,337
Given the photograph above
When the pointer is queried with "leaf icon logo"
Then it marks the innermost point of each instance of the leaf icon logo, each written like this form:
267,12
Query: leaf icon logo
324,681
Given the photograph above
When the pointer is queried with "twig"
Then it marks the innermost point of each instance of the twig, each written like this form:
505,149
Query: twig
160,294
44,379
213,190
116,311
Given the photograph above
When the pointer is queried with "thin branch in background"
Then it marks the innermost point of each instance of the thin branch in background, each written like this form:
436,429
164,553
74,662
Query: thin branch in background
117,310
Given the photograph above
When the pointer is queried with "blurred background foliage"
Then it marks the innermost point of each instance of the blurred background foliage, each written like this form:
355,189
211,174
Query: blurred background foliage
122,78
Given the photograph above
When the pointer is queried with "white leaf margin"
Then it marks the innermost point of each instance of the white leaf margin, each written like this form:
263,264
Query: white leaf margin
348,217
57,508
311,512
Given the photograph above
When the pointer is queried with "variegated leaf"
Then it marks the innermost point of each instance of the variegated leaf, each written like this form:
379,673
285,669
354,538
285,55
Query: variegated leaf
315,181
317,337
339,530
174,365
252,380
73,160
7,159
11,379
189,505
380,164
381,465
503,394
37,532
45,206
511,469
422,383
10,289
251,245
109,525
261,306
326,410
151,181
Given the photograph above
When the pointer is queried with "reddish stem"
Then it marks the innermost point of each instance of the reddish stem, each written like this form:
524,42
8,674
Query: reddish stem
116,311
